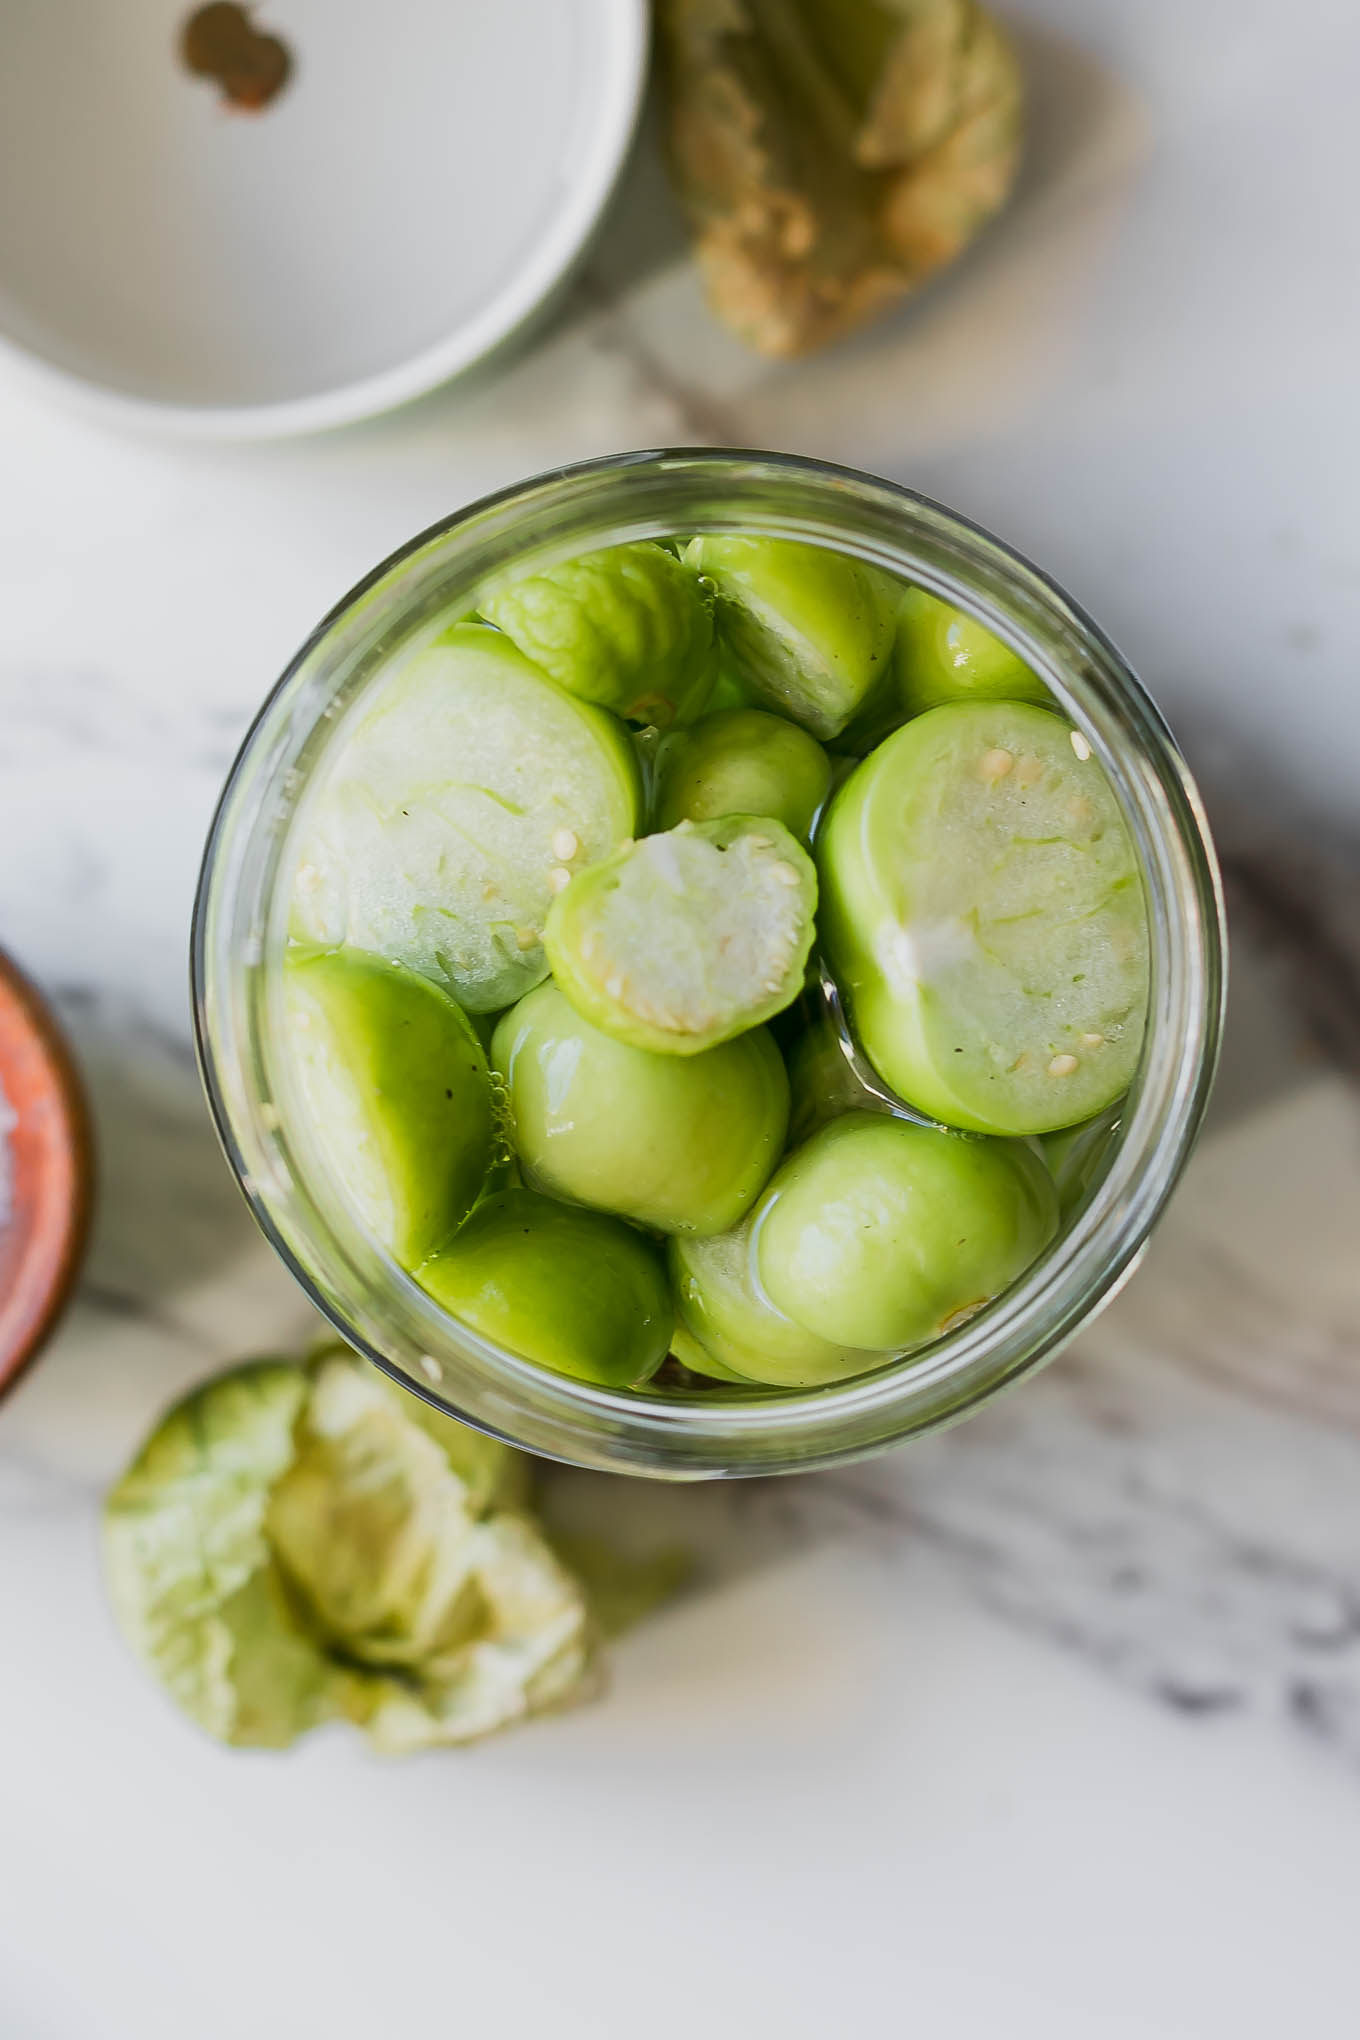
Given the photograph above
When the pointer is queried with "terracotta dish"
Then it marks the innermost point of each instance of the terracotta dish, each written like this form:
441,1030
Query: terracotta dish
45,1172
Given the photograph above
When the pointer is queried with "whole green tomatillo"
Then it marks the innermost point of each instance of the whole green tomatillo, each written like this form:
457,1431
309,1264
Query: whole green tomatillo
745,1337
741,762
696,1357
683,1144
630,627
882,1234
573,1290
944,654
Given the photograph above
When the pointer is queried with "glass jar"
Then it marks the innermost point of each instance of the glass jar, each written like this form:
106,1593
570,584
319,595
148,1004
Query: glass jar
240,933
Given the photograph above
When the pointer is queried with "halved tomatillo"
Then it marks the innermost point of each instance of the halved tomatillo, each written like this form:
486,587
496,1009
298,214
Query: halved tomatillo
685,939
397,1089
984,917
469,790
808,629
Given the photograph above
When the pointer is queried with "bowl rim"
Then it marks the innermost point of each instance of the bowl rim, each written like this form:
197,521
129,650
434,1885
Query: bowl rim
511,308
58,1254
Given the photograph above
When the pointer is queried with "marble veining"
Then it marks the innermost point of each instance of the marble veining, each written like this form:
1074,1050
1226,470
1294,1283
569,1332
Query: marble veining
1140,1571
1101,1508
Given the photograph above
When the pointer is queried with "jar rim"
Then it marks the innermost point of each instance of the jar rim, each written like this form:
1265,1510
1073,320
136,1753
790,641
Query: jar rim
375,1305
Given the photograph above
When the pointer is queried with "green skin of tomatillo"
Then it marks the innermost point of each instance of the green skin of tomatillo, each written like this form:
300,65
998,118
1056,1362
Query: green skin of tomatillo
808,629
689,937
882,1234
940,655
730,690
943,654
572,1290
744,1336
630,628
742,762
822,1084
696,1357
683,1144
396,1086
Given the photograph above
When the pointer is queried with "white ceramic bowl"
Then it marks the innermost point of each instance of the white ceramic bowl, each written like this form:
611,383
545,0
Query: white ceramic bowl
427,176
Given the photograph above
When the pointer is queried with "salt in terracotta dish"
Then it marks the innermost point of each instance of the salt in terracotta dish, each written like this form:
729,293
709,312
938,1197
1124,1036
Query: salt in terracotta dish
46,1172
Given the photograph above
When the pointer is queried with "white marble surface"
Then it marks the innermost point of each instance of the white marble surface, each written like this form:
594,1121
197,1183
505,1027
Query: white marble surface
1050,1726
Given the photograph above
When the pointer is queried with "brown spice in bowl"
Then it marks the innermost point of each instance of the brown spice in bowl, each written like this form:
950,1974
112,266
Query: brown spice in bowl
221,42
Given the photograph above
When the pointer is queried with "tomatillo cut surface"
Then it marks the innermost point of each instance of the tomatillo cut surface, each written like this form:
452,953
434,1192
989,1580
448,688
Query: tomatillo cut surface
629,627
944,654
984,916
881,1234
742,762
577,1292
808,629
722,1307
397,1089
684,1144
471,789
682,940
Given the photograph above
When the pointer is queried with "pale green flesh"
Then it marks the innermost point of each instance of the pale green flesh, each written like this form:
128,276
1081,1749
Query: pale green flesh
395,1085
988,926
466,785
884,1235
685,939
808,629
629,627
723,1308
677,1143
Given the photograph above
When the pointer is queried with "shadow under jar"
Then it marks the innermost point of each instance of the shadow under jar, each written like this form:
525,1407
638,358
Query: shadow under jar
240,935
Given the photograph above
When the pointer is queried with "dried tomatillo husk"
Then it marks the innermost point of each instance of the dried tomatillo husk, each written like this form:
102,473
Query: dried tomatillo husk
833,154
